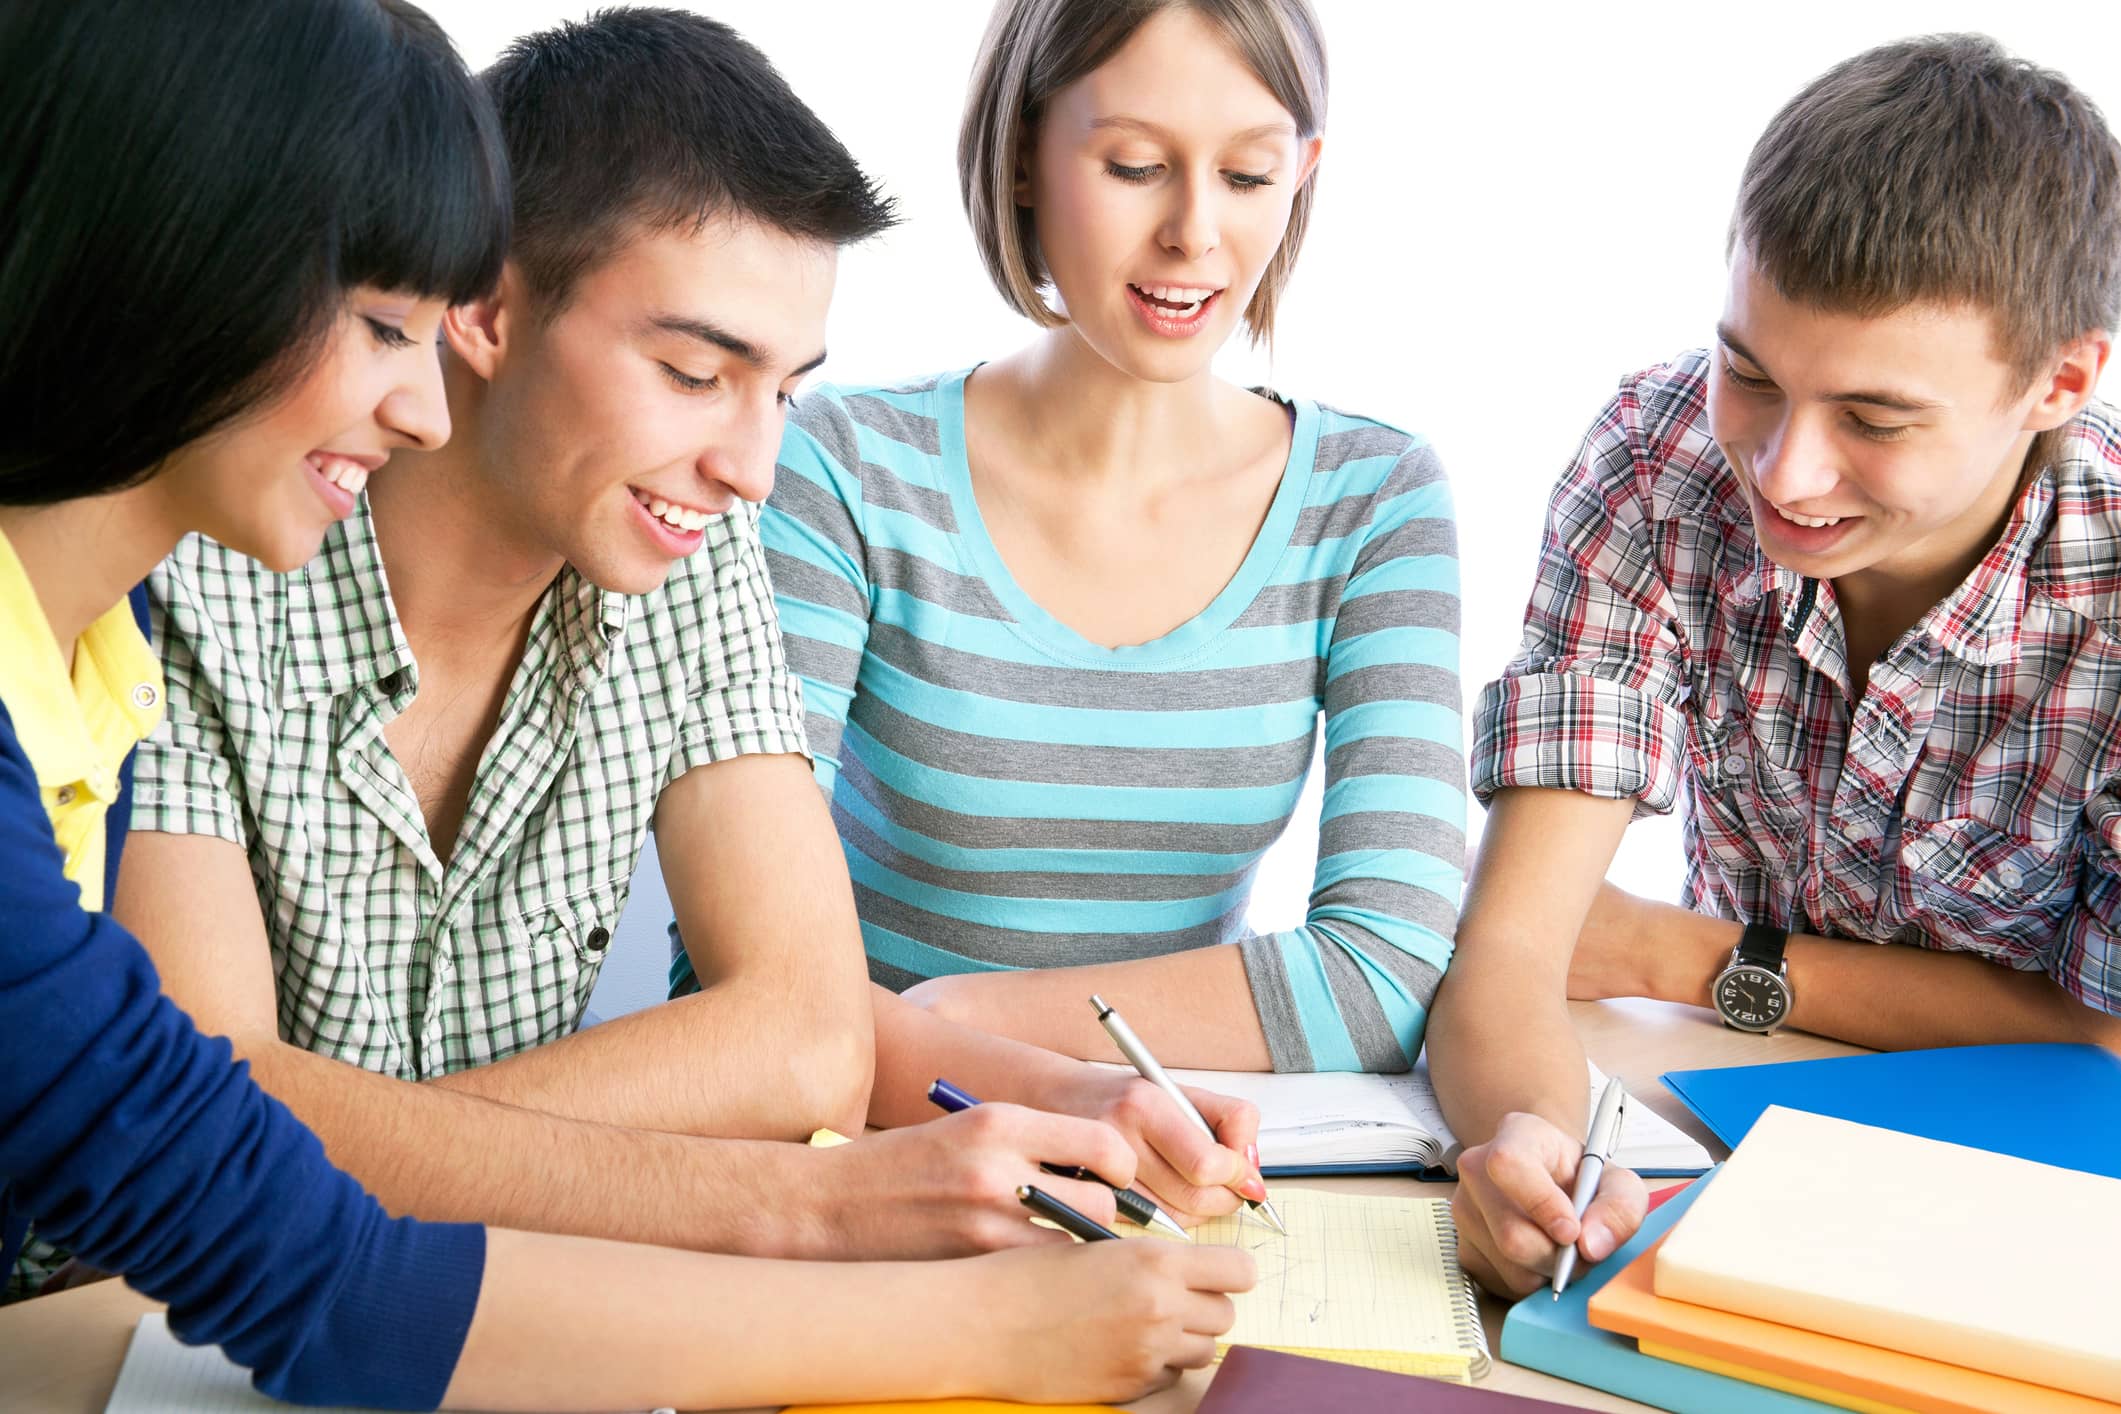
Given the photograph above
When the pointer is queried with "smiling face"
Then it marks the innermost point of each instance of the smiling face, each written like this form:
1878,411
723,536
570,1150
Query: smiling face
1888,445
1160,185
653,399
270,484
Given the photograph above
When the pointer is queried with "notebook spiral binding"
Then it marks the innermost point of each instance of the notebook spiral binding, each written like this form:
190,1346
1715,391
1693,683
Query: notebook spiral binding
1465,1311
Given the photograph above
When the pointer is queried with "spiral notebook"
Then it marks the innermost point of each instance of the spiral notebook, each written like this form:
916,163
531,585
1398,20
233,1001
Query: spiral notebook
1360,1280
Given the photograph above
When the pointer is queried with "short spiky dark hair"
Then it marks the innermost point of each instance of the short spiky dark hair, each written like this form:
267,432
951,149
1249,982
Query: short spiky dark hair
1941,170
653,118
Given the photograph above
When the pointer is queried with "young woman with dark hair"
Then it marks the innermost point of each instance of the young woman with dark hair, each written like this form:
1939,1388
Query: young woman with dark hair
233,236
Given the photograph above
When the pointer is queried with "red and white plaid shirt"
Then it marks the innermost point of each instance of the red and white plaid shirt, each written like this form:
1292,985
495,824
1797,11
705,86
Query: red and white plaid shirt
1970,801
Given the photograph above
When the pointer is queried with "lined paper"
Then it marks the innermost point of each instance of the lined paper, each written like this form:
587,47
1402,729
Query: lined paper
1361,1279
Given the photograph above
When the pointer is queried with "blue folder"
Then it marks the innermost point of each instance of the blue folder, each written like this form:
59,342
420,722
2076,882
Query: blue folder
2054,1104
1558,1337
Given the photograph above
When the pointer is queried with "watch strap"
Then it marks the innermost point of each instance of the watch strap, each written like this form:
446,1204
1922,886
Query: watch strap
1763,944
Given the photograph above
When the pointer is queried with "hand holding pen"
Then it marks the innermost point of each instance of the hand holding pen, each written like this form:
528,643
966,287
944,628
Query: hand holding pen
1135,1207
1137,1054
1597,1152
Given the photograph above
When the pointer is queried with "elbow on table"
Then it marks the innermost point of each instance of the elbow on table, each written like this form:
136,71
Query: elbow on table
829,1075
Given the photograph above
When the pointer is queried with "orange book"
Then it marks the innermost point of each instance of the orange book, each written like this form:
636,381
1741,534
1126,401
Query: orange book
1745,1346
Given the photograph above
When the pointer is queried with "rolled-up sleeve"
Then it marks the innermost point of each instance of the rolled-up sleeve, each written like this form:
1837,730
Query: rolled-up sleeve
1594,700
2086,957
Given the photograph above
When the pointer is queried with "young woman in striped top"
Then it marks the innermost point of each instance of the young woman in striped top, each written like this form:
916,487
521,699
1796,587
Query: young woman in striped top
1067,622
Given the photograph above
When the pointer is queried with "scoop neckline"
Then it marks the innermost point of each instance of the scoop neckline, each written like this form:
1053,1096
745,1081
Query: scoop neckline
1049,633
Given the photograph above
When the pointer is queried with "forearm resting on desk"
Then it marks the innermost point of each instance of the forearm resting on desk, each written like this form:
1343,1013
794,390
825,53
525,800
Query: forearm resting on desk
1889,996
1194,1007
448,1157
568,1324
741,1060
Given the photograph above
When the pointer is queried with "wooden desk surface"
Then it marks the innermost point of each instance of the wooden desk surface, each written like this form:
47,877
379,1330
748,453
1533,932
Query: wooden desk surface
62,1353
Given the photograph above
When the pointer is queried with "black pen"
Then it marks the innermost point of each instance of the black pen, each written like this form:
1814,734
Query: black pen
1135,1207
1054,1211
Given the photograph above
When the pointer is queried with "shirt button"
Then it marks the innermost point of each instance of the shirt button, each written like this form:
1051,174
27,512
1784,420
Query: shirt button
145,696
599,938
2008,877
66,795
1734,765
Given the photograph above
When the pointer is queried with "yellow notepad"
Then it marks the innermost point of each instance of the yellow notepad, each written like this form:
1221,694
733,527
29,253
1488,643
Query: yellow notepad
1362,1280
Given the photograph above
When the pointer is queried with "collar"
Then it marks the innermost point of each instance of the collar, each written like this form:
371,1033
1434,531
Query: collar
1979,622
343,629
78,726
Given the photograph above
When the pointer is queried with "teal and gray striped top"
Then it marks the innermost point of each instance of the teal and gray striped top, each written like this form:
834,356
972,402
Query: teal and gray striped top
1011,794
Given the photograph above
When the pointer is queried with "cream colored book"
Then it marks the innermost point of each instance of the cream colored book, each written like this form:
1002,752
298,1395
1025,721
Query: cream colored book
1977,1259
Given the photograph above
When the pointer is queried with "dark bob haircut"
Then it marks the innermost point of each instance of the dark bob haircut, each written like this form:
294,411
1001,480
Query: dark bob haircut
640,119
192,186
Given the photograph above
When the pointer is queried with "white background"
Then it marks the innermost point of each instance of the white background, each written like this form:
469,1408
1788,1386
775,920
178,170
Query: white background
1516,207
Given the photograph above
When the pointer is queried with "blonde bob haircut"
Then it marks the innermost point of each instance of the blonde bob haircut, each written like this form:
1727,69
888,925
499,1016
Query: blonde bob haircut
1035,48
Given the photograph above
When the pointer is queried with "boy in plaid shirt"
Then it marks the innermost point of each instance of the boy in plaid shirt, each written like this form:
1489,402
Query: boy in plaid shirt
389,828
1846,586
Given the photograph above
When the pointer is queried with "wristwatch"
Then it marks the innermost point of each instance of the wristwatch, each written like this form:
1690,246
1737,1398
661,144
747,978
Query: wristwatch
1752,993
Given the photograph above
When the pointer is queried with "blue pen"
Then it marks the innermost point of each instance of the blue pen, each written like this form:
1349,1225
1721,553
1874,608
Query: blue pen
1135,1207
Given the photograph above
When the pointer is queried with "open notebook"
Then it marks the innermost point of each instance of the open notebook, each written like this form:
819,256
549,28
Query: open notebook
1360,1280
1334,1122
164,1376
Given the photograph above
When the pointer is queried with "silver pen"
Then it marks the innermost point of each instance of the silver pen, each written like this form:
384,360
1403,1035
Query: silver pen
1130,1046
1597,1152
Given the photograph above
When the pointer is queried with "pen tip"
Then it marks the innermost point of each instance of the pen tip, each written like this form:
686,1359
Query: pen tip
1266,1210
1162,1219
1557,1294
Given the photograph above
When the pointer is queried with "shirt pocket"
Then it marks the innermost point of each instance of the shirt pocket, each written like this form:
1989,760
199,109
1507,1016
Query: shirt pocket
538,984
1968,886
1751,815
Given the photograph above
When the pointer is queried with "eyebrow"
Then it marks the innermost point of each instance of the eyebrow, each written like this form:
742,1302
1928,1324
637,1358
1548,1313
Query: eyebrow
708,332
1870,397
1279,128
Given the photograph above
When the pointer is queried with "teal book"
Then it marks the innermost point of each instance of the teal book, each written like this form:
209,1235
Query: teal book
1557,1337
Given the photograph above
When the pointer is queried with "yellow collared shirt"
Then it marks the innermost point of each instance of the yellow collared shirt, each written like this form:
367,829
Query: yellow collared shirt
76,728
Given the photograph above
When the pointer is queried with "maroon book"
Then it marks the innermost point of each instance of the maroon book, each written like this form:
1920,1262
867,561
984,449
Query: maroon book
1254,1381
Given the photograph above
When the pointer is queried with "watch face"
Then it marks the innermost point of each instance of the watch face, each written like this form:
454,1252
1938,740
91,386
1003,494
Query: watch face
1752,997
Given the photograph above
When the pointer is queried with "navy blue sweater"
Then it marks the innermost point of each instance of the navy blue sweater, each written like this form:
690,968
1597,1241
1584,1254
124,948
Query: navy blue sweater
138,1143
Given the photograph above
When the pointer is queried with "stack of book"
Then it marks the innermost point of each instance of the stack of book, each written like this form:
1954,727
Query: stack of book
1837,1264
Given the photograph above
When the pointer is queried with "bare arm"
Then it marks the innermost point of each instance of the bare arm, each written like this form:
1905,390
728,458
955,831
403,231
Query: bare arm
778,1042
1889,997
1500,1039
1195,1007
1108,1321
1509,1069
942,1188
419,1148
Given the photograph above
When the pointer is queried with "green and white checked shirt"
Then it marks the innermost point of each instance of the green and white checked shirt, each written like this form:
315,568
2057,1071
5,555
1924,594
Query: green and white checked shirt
279,691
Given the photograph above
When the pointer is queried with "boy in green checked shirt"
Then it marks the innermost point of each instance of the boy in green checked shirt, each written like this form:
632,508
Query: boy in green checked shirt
384,839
